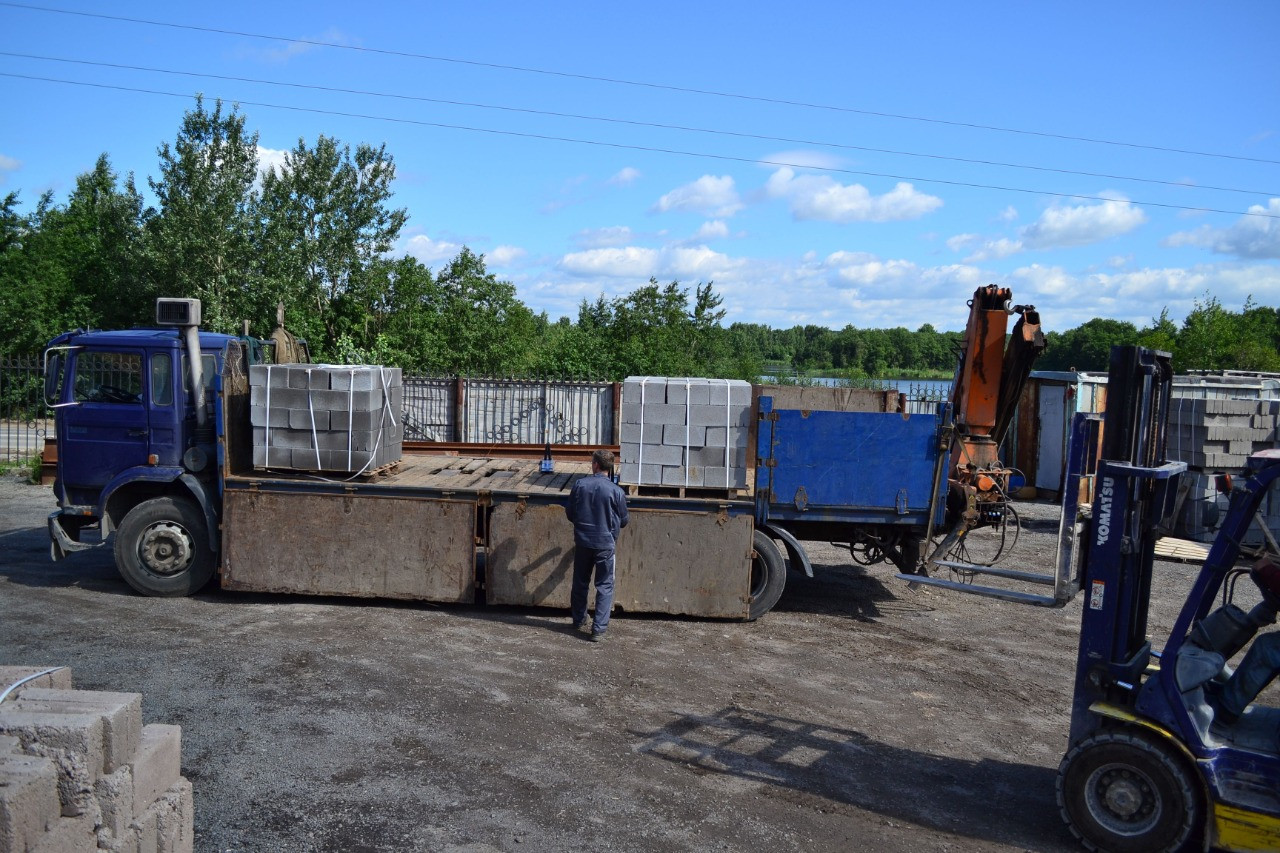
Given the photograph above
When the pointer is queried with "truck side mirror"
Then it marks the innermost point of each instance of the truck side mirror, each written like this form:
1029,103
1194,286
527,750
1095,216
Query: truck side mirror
55,365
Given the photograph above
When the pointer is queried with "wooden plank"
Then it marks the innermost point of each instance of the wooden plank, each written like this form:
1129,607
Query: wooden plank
1181,550
349,545
694,563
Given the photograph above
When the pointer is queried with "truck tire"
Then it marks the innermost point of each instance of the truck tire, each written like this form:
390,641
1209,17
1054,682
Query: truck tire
162,548
1121,792
768,576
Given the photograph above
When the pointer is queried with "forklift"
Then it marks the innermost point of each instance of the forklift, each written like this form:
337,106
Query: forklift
1148,767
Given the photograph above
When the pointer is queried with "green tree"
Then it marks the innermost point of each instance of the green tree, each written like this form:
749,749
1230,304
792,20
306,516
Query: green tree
201,237
484,328
326,221
1086,347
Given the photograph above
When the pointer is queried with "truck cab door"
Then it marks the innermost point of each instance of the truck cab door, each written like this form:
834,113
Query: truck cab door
105,429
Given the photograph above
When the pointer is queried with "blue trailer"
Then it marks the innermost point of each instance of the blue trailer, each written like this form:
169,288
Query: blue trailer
154,454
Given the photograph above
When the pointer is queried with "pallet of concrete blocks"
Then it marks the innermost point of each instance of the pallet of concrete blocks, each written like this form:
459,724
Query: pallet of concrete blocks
685,433
1219,434
324,417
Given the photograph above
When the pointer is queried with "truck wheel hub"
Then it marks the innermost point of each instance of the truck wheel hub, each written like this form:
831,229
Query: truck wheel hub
165,548
1127,797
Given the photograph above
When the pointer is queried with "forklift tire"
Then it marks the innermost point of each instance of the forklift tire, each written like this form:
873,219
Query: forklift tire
162,548
768,576
1121,792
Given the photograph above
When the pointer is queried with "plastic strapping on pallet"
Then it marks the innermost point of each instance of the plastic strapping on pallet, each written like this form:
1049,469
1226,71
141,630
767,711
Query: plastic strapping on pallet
727,395
311,409
688,400
640,458
267,450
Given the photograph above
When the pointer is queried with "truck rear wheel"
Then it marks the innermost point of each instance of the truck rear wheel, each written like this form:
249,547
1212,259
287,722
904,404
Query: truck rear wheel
768,576
1121,792
162,548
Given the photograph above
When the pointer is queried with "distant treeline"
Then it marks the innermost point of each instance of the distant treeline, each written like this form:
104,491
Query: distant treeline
316,234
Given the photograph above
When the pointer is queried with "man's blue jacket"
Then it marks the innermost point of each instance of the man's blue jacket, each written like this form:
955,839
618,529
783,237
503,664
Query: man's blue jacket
598,509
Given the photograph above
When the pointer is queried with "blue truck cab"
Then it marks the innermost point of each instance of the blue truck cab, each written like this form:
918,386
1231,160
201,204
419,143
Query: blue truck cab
136,455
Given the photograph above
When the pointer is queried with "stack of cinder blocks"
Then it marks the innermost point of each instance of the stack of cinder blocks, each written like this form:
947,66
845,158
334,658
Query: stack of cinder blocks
79,772
316,417
1217,436
685,432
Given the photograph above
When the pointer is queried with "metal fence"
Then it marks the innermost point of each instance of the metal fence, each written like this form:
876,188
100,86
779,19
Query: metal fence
25,420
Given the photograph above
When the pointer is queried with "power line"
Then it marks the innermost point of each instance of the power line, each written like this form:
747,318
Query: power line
640,84
646,148
634,123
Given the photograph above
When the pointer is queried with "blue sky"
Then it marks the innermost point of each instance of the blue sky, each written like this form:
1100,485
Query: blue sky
777,194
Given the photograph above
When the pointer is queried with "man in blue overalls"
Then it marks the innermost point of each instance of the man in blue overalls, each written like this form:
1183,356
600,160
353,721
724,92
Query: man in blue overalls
598,509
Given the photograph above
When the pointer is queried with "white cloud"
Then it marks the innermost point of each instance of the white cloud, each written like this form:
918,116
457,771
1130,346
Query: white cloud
1066,226
1256,237
639,264
962,241
624,177
270,160
596,238
711,195
821,198
9,164
430,251
294,49
715,229
805,159
1009,214
993,250
503,255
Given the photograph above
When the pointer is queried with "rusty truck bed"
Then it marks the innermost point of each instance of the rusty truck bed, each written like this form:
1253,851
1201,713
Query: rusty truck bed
457,529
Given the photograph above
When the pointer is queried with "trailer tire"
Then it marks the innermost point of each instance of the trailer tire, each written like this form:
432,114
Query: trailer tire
768,576
1122,792
162,548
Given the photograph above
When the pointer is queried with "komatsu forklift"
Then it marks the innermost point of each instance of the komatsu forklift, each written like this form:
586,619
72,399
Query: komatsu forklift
1149,765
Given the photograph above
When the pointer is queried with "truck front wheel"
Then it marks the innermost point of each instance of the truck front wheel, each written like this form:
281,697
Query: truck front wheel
162,548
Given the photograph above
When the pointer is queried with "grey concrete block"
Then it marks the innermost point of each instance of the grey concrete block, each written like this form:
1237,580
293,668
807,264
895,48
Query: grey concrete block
634,474
121,715
60,677
732,437
682,476
628,452
733,392
289,439
680,435
690,392
175,820
306,460
157,765
630,413
308,419
70,835
29,802
258,416
73,742
724,478
720,416
114,793
660,454
642,434
735,456
664,413
274,457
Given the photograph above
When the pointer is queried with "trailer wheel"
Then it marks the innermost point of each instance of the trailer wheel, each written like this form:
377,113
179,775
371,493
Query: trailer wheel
162,548
1121,792
768,576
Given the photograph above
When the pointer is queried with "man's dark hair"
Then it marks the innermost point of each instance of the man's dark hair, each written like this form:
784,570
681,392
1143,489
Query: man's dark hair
603,458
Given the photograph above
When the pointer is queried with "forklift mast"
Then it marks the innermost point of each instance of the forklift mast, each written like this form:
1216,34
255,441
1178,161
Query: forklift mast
1135,489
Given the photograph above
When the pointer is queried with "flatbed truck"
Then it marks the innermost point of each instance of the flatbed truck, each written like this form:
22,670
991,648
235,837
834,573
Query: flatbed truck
154,448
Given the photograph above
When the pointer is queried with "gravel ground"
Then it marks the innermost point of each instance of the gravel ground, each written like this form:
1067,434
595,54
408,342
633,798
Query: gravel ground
859,714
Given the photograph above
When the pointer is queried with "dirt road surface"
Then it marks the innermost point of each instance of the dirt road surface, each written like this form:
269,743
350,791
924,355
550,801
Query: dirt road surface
859,714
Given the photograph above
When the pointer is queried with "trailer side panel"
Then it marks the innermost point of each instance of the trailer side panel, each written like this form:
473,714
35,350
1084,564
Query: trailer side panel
357,545
694,563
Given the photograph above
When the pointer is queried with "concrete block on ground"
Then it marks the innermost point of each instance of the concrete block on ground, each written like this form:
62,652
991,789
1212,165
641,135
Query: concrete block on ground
121,715
679,435
157,766
60,677
115,795
69,835
73,742
29,802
